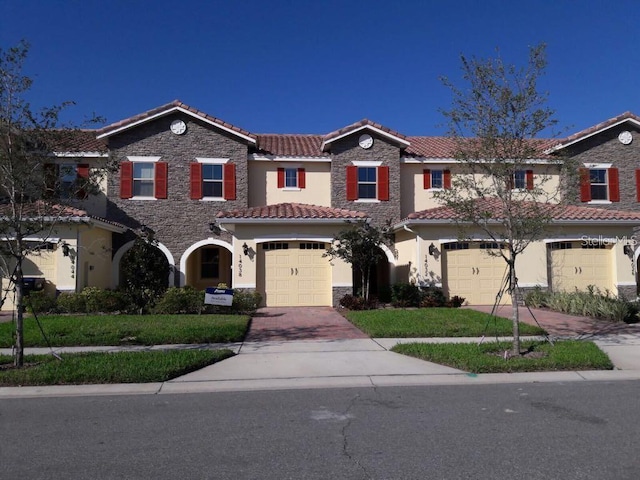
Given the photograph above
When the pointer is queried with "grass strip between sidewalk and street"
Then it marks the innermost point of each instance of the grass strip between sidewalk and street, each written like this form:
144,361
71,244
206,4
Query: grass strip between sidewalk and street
88,330
434,322
537,356
101,368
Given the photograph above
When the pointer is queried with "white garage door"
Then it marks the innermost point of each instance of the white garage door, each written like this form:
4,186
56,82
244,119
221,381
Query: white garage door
472,273
295,274
576,265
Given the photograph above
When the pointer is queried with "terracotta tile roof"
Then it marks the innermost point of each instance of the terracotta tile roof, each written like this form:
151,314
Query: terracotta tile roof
75,141
292,211
61,212
558,213
445,147
357,125
595,129
291,145
167,107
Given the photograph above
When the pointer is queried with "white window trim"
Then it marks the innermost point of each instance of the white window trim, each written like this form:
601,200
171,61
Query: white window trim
597,166
144,160
600,166
367,200
212,161
600,202
296,167
366,163
436,189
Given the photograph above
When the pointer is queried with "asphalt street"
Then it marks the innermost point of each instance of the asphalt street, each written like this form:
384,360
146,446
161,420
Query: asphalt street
585,430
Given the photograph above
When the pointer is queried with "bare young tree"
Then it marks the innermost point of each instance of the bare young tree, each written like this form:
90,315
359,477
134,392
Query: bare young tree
30,203
495,120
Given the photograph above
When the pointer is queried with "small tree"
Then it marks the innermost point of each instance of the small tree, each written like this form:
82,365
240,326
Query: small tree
495,121
144,272
360,247
28,188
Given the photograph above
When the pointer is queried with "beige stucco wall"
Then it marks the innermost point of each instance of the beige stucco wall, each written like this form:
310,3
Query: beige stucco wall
531,265
415,198
94,258
263,184
245,266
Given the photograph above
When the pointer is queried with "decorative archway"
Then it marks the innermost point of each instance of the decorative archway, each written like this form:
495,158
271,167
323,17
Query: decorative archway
224,259
115,264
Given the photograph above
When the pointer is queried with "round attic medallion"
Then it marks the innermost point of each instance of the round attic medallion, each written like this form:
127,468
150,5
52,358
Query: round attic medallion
365,141
178,127
625,137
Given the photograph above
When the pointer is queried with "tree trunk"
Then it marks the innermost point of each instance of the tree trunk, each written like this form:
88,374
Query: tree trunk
515,349
19,300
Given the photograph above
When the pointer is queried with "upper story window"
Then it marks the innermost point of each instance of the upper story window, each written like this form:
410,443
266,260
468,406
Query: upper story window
212,179
71,176
367,185
436,179
143,178
522,180
291,177
367,182
599,184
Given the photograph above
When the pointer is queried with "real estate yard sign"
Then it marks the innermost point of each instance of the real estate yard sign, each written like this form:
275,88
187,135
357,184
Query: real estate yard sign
218,296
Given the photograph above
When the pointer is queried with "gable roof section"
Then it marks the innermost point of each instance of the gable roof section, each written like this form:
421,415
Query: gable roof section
557,213
169,108
290,212
445,147
596,129
365,124
75,141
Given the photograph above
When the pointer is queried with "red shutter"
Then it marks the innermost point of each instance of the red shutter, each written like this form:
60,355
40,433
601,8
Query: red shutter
229,181
383,183
446,179
638,185
614,185
126,180
195,181
426,179
352,182
161,171
529,179
302,180
585,185
82,172
280,177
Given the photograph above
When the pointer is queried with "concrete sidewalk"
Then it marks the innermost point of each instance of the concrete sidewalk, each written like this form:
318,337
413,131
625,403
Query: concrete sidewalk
307,348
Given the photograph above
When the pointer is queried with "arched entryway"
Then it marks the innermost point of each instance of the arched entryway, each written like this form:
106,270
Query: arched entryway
379,279
117,258
207,264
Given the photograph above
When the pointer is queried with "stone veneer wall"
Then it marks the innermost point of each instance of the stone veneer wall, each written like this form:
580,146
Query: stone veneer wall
606,148
178,221
339,292
347,150
630,292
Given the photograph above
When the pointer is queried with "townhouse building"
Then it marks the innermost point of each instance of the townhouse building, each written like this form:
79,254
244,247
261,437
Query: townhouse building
257,211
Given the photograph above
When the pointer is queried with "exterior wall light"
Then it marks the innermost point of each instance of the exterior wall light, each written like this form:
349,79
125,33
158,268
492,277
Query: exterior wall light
245,249
432,249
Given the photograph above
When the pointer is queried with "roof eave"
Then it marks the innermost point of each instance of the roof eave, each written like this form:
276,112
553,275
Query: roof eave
169,111
561,146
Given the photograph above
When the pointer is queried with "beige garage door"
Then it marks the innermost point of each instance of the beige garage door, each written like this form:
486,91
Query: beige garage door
472,273
575,265
295,274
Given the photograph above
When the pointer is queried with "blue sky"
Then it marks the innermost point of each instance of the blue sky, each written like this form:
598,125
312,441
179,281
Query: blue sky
313,67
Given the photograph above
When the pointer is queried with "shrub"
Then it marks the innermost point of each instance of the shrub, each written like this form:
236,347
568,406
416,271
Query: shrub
181,300
245,302
455,302
71,302
41,302
352,302
433,297
405,295
98,300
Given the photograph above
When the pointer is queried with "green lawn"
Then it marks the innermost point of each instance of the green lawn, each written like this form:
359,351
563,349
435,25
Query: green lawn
71,330
488,358
121,367
433,322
